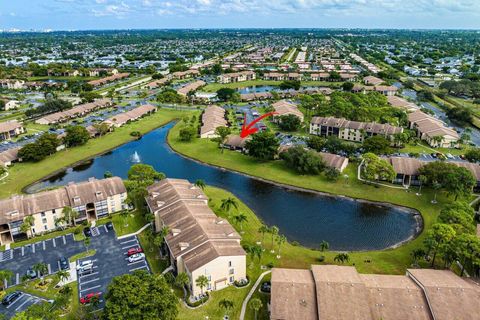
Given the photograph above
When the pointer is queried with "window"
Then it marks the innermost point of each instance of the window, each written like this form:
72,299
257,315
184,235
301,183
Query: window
42,214
33,230
209,278
229,263
209,286
231,271
44,220
232,279
45,227
53,211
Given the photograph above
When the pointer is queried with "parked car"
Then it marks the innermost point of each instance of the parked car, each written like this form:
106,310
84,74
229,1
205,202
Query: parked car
88,298
85,265
87,232
64,263
32,274
11,297
136,257
109,225
133,251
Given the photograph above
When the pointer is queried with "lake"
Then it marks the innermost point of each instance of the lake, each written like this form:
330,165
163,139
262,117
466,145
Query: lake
306,217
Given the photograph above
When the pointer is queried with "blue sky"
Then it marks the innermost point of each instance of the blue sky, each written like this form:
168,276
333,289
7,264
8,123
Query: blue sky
151,14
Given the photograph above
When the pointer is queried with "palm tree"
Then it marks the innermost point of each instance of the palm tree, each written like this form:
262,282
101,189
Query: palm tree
417,254
226,304
201,282
281,239
228,203
423,180
273,231
70,215
86,243
63,275
240,219
66,290
256,251
342,258
25,228
255,304
160,237
263,229
182,280
5,275
200,183
436,186
28,221
324,246
59,223
41,269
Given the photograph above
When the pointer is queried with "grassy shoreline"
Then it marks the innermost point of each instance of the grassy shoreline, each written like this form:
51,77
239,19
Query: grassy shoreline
213,87
24,174
392,261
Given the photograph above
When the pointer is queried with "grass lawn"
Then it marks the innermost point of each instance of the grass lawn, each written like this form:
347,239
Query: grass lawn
213,87
389,261
130,223
152,253
82,255
23,174
422,147
78,237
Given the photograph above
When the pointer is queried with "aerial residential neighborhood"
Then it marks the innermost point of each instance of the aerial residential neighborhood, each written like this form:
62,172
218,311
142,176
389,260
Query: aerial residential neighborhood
243,160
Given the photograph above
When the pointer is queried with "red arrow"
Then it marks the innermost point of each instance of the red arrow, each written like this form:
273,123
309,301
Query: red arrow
247,129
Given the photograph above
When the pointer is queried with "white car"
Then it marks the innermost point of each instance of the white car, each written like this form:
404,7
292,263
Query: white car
85,265
136,257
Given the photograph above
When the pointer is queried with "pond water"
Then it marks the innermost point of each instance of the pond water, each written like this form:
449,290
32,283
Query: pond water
305,217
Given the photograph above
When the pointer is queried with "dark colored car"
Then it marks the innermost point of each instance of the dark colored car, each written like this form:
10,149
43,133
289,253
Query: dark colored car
88,298
87,232
133,251
64,264
109,225
266,287
10,298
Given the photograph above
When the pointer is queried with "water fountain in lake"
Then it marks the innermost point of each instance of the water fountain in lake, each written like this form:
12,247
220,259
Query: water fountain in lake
135,158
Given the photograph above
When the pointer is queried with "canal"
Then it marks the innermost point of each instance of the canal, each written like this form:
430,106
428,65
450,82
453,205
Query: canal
305,217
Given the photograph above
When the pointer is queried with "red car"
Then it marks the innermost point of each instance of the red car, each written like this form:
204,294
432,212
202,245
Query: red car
133,251
88,298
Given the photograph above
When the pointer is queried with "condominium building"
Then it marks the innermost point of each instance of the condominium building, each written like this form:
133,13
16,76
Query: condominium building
351,130
283,108
92,199
10,129
199,242
212,118
432,130
328,292
236,77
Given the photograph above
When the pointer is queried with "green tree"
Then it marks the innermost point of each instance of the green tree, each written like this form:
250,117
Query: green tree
76,136
201,282
63,275
263,229
377,145
342,258
289,122
41,269
228,204
263,145
332,174
473,155
417,254
200,184
303,161
222,133
227,94
437,237
324,246
273,231
186,134
375,168
459,215
467,247
5,275
255,304
226,304
281,239
240,219
182,280
69,215
86,242
140,295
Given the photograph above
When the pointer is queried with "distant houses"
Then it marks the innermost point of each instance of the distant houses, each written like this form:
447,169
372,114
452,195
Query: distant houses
105,80
12,84
212,118
131,115
191,87
10,129
433,130
74,112
334,161
236,77
199,242
10,104
400,103
283,108
385,90
341,293
9,156
351,130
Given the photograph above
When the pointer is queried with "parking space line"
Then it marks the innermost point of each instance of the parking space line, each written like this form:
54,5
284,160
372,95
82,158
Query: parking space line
128,241
24,302
43,243
64,240
18,299
91,288
105,227
130,246
33,248
23,251
54,243
87,275
17,278
83,283
133,269
49,268
132,263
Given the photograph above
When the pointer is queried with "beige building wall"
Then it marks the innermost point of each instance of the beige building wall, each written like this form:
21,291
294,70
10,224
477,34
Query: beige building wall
115,203
222,272
45,221
351,135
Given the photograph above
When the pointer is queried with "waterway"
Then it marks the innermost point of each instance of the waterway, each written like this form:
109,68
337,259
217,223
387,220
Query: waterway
305,217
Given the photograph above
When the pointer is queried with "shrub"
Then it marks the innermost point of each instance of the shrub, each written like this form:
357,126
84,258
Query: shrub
135,134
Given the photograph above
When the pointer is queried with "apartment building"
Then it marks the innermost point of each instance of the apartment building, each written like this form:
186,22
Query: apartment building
433,130
92,199
131,115
191,87
212,118
351,130
236,77
10,129
77,111
400,103
12,84
198,242
10,104
283,108
329,292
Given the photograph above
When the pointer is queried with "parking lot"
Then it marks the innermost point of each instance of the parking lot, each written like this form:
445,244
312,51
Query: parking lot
110,260
20,304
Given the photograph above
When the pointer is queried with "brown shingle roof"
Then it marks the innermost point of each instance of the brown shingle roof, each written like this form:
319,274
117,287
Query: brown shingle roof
9,126
371,127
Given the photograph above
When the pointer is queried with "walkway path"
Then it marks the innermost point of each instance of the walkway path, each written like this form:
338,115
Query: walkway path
252,291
